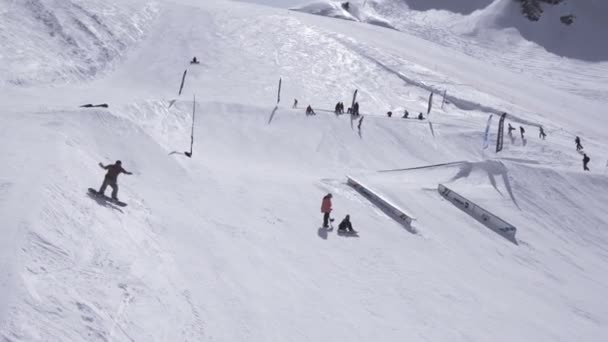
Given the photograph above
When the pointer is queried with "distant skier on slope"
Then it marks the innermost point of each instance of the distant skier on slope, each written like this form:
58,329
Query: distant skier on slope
111,178
345,225
541,133
586,161
420,116
295,103
389,114
578,143
522,131
326,209
406,114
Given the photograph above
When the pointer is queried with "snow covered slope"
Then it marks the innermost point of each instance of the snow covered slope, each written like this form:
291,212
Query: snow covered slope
339,9
227,245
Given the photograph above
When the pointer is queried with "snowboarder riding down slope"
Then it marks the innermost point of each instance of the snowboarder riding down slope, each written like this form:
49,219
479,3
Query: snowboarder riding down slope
111,178
326,209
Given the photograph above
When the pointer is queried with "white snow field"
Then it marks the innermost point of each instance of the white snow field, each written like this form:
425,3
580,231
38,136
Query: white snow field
228,245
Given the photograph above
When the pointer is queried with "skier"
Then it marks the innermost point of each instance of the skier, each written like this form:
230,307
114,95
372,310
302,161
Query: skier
295,103
194,60
578,143
341,107
309,111
326,209
356,109
541,133
522,131
337,109
406,114
389,114
420,117
111,178
345,225
586,160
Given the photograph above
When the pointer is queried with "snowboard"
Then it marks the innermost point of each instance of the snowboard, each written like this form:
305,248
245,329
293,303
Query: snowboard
106,198
347,233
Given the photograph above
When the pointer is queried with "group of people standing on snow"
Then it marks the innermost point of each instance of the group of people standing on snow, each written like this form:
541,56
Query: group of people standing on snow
542,135
326,208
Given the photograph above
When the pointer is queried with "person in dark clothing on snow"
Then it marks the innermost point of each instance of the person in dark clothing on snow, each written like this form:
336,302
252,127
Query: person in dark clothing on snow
586,160
345,225
194,60
389,114
356,109
578,143
541,133
420,116
309,111
511,129
295,103
406,114
111,178
326,210
522,131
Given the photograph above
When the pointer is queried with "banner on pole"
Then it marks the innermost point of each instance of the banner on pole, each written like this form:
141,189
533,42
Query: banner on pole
486,136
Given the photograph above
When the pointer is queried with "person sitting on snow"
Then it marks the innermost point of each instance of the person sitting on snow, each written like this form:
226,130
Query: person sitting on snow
345,225
309,111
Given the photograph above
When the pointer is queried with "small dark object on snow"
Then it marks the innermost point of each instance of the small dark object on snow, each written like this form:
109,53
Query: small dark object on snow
346,6
295,103
88,105
406,114
389,114
567,19
194,60
420,116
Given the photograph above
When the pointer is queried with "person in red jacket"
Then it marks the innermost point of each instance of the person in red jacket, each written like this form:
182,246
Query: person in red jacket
326,209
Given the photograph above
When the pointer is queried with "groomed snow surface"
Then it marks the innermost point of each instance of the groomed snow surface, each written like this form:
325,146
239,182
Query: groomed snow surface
228,245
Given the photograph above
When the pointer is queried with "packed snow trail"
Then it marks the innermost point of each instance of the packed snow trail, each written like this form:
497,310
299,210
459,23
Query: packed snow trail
228,246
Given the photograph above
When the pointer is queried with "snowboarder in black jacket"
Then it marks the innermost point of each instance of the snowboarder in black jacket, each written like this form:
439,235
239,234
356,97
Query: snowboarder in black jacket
522,131
111,178
586,160
345,225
